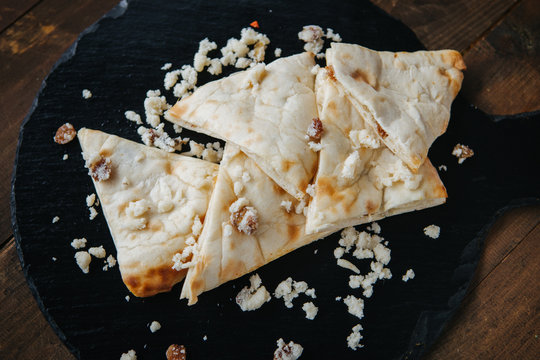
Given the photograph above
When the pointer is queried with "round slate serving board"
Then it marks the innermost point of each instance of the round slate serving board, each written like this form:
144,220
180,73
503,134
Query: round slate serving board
119,60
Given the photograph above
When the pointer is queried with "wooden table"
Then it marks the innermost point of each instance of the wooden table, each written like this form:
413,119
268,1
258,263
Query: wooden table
500,42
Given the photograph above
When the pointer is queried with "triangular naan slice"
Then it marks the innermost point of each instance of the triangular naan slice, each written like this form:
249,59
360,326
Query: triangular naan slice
266,111
406,97
359,179
257,206
153,202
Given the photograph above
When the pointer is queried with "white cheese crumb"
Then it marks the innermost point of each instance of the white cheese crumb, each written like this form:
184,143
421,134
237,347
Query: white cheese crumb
170,79
90,199
331,35
310,309
312,35
205,338
339,252
443,168
408,275
355,306
253,297
53,258
289,289
87,94
195,149
315,251
315,146
130,355
310,190
200,60
159,138
287,205
166,66
364,139
348,265
350,165
382,254
215,67
375,227
93,213
65,157
127,298
353,340
277,52
55,219
78,243
433,231
83,260
197,226
155,326
290,351
133,116
98,252
338,298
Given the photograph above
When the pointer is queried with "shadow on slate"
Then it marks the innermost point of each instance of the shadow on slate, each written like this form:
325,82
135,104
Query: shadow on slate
119,60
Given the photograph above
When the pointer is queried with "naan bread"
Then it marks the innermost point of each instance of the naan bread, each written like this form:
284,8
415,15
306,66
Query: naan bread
151,200
266,111
225,253
406,97
359,179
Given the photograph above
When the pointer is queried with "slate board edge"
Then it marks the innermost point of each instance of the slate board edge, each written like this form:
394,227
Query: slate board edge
427,339
114,13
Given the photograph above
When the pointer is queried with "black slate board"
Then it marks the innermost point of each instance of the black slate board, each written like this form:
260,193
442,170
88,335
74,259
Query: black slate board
118,60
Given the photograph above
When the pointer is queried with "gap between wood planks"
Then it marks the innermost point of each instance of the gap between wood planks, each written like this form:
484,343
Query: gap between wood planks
492,27
23,12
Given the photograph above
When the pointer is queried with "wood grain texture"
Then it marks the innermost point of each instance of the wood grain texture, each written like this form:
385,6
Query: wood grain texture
503,237
453,24
500,41
28,50
11,10
24,334
499,319
503,68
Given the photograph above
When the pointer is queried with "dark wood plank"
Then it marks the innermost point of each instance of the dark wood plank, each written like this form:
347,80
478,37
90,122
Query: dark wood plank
503,68
28,50
24,334
499,318
11,10
453,24
503,237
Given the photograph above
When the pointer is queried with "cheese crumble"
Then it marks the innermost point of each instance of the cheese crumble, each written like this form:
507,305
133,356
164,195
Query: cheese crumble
78,243
155,326
289,289
253,297
310,309
55,219
462,152
130,355
353,340
355,306
98,252
433,231
83,260
290,351
409,275
87,94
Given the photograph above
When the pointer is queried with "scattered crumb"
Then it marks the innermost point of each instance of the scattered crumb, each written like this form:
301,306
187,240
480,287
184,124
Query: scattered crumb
338,298
443,168
54,259
311,310
65,157
289,289
375,227
87,94
254,297
155,326
130,355
277,52
409,275
339,252
315,251
65,134
353,340
90,199
290,351
99,168
98,252
462,152
166,66
287,205
355,306
176,352
205,338
93,213
133,116
348,265
310,190
78,243
83,259
127,298
55,219
433,231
